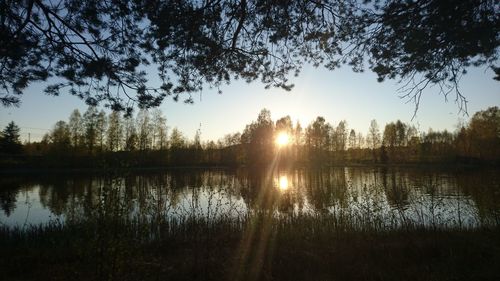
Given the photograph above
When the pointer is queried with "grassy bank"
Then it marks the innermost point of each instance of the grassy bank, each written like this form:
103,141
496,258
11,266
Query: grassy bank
256,247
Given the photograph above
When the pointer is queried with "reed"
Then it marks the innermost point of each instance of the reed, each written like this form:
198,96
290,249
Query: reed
255,246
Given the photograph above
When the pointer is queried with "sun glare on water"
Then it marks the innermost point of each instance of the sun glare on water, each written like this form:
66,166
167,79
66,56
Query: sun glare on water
283,139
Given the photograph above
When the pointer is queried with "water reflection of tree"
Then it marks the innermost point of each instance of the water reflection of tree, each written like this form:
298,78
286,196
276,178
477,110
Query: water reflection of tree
397,193
260,190
54,195
8,195
326,188
415,194
257,189
396,188
483,186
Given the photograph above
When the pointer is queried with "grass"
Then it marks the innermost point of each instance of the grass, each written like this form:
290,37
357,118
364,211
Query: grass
258,246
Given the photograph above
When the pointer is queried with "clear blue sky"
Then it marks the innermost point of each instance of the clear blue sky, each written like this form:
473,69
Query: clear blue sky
335,95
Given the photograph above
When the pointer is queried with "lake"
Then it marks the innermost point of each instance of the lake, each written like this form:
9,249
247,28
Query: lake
376,197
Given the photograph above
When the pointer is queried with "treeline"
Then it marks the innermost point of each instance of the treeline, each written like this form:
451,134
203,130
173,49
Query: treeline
96,139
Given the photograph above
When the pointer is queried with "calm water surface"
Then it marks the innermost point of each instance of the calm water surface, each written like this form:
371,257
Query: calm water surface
384,196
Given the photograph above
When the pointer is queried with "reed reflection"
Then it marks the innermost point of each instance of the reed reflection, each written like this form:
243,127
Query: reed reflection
390,196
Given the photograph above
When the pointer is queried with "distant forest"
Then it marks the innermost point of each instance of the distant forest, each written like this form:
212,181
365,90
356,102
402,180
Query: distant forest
98,140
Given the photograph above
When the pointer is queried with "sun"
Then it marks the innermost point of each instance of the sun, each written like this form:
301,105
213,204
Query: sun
283,183
283,139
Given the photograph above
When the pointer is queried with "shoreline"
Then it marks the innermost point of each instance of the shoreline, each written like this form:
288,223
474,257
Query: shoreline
111,170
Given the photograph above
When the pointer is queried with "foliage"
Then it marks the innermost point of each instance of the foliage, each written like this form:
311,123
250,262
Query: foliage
259,139
60,135
102,51
317,137
484,132
430,42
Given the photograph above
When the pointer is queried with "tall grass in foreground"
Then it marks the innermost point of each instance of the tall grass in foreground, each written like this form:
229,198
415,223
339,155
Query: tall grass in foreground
257,246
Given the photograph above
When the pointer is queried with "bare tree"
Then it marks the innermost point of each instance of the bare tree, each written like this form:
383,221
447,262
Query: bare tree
90,126
352,139
373,137
101,128
160,130
115,131
144,129
76,128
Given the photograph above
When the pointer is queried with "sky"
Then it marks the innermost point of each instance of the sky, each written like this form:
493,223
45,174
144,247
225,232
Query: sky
336,95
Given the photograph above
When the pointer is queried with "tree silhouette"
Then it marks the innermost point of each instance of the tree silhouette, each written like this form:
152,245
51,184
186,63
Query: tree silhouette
101,128
318,139
9,139
284,125
352,139
430,42
60,137
484,131
90,118
373,135
101,51
258,137
159,130
373,138
341,136
115,132
76,128
118,143
144,129
130,134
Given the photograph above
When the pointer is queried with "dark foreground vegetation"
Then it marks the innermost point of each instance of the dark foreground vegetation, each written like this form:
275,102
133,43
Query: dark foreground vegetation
257,247
97,140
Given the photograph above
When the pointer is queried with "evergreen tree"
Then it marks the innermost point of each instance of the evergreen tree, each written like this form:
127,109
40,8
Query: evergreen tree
10,141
